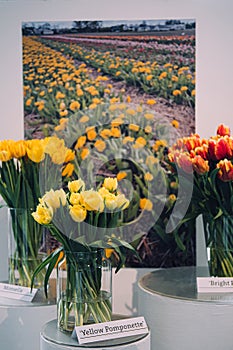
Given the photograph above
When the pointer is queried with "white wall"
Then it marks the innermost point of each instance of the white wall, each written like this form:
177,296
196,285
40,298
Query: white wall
214,49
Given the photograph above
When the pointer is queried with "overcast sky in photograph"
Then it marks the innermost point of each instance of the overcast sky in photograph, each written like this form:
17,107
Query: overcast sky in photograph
69,24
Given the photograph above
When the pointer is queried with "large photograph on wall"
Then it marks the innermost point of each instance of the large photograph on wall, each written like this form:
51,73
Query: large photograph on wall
144,61
110,89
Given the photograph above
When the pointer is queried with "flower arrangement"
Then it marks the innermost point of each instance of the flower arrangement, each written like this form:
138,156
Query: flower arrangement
83,221
211,161
21,180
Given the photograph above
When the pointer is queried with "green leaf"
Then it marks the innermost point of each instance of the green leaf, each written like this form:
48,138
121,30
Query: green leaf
120,242
43,264
161,233
179,241
220,212
50,268
136,239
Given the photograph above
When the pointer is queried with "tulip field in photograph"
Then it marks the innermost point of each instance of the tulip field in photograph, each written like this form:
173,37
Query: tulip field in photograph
118,98
64,73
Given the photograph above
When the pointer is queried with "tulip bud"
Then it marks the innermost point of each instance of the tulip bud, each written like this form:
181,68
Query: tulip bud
223,130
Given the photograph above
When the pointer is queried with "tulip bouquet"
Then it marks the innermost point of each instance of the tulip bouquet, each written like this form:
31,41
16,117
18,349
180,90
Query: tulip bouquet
211,161
83,221
21,179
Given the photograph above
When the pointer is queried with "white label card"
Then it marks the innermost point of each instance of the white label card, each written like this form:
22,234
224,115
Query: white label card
215,284
111,330
12,291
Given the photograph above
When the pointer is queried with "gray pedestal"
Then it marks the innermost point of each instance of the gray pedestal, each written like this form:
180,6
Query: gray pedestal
179,317
21,322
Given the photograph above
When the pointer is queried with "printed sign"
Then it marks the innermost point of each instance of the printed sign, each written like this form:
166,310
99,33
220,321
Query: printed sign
111,330
215,284
12,291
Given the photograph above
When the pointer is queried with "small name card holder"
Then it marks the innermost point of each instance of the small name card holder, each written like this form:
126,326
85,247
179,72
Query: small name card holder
111,330
215,284
12,291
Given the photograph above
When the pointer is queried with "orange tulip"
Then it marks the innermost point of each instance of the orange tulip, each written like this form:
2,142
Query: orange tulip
223,149
223,130
192,142
202,151
200,165
211,149
185,162
225,167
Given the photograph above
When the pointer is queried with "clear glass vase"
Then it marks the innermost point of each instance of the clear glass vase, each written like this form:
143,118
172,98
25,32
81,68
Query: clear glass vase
84,293
219,242
26,248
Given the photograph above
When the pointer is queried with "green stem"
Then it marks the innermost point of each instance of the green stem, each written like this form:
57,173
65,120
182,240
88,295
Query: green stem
83,297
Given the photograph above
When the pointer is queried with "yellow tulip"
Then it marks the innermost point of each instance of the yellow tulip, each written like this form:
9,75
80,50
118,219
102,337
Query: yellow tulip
110,183
28,102
84,119
43,215
108,252
176,92
62,106
80,142
92,200
140,142
75,105
76,185
110,201
121,175
100,145
79,92
75,198
105,133
149,116
175,124
151,102
84,153
55,147
122,201
35,150
146,204
115,132
69,155
148,176
127,139
78,213
134,127
54,199
68,170
5,150
59,95
148,129
91,133
18,149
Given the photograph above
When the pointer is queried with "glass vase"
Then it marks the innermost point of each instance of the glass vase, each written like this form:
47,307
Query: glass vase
26,248
219,242
84,289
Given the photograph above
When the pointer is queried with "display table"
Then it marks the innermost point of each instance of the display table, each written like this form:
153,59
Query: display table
21,322
179,317
53,339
